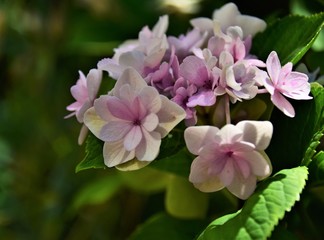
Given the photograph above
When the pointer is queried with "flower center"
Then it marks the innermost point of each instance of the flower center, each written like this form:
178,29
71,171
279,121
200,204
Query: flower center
137,122
229,153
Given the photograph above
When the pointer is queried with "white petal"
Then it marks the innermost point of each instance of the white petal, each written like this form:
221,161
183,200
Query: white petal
259,162
93,122
150,98
133,78
228,172
200,178
150,122
197,137
169,115
149,148
83,134
93,82
114,153
242,188
257,132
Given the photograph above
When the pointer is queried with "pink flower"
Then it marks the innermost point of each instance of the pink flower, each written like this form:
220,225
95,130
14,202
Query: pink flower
84,92
231,157
131,120
284,81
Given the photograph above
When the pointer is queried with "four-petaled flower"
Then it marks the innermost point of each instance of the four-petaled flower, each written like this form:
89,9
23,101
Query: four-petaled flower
131,120
231,157
284,81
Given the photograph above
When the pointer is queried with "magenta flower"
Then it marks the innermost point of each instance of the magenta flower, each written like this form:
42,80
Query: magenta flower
84,92
284,81
231,157
131,120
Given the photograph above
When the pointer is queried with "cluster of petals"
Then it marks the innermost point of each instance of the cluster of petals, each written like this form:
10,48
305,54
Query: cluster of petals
231,157
131,120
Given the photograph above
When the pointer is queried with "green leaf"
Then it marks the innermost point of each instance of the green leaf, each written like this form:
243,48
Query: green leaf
183,200
97,191
290,37
162,226
174,156
312,149
94,157
293,136
262,211
316,169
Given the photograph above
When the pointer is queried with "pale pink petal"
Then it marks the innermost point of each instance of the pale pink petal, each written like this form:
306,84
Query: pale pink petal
133,138
126,93
282,103
119,109
169,115
269,85
93,83
115,130
149,148
111,66
93,121
150,98
242,188
257,132
161,26
285,71
250,25
273,67
203,98
150,122
259,163
114,153
134,59
74,107
243,167
80,113
227,174
133,78
198,136
194,70
229,134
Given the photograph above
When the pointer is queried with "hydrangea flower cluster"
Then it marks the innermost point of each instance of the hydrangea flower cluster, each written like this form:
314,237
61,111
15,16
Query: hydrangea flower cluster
162,80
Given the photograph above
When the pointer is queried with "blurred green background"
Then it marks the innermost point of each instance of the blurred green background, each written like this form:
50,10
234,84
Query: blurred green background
43,44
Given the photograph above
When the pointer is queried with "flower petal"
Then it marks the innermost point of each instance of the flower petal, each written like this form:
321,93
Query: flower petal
149,148
150,122
93,121
150,98
203,98
120,109
133,138
273,67
257,132
259,162
133,78
132,165
115,130
242,188
169,115
228,172
114,153
93,83
283,104
198,136
201,180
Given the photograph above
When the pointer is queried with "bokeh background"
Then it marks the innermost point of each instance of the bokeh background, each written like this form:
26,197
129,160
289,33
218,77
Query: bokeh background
43,44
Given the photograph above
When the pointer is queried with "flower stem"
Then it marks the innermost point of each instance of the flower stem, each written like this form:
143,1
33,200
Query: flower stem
227,109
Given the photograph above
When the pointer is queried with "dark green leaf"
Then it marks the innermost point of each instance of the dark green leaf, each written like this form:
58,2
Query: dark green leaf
163,226
290,37
94,157
262,211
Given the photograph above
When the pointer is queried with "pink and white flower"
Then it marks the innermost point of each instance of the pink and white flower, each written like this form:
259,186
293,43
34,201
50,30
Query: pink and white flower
284,81
131,120
231,157
84,92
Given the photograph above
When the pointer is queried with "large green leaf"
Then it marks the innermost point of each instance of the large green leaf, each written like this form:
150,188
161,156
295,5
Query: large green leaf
162,226
316,169
293,136
262,211
94,157
290,37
